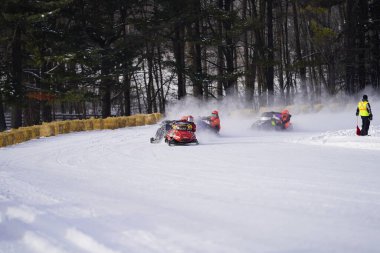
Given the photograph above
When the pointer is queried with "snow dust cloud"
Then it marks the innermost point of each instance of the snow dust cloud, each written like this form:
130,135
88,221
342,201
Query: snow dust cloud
331,115
336,114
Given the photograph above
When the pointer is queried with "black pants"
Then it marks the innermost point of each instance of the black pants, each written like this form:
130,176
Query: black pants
365,125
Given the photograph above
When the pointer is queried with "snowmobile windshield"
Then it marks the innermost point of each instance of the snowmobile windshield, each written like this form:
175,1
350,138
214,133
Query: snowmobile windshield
182,127
268,114
165,122
264,118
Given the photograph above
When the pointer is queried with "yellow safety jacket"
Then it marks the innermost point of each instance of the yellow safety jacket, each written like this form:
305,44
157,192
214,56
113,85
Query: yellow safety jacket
363,111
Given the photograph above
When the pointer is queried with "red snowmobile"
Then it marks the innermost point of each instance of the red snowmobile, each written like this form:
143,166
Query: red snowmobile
181,134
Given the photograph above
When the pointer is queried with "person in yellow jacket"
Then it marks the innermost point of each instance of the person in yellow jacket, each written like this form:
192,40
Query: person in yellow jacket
364,110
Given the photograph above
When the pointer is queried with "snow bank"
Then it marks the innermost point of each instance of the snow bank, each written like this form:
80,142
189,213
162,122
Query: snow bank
346,139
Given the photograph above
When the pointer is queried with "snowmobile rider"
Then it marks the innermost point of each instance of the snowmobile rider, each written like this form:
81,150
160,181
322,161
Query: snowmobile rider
214,120
364,110
285,119
281,120
190,120
165,126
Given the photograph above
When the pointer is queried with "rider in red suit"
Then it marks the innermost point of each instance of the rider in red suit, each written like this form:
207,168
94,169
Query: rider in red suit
285,119
215,120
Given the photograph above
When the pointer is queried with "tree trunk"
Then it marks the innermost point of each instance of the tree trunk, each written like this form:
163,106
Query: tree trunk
197,52
220,59
374,45
163,100
149,87
249,76
349,46
331,76
3,124
270,59
205,79
157,79
316,85
220,72
196,64
229,52
288,81
127,94
46,106
363,23
137,93
302,68
280,46
259,55
179,55
105,87
17,79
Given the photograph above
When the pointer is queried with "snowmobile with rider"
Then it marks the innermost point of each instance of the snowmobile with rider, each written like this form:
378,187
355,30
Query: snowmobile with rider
210,123
182,132
161,132
273,121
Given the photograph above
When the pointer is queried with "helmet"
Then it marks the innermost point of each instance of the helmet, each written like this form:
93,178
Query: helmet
365,98
285,112
183,118
214,113
190,118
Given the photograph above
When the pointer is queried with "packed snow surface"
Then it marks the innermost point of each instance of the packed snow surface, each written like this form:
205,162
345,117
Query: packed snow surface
314,189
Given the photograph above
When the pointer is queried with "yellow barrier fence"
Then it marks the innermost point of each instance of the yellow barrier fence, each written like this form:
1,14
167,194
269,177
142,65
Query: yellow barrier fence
36,131
98,124
23,134
47,130
88,124
110,123
131,121
3,142
140,120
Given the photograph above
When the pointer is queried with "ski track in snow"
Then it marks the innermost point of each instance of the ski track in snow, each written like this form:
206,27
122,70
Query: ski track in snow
113,192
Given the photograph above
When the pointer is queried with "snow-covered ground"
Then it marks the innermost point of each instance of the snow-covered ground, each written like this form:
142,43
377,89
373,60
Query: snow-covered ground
315,189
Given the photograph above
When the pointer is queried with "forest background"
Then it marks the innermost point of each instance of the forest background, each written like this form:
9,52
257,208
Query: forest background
121,57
